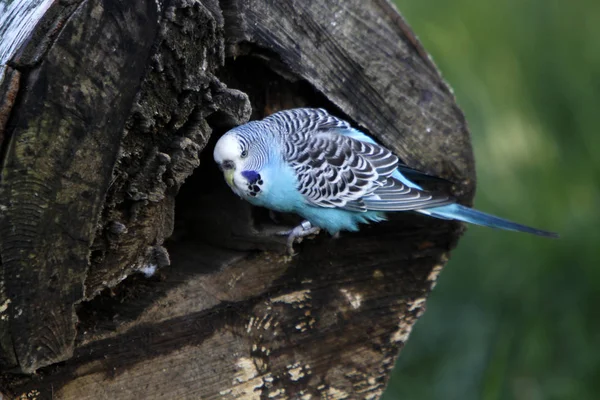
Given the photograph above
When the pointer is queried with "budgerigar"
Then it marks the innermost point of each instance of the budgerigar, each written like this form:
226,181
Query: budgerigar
308,162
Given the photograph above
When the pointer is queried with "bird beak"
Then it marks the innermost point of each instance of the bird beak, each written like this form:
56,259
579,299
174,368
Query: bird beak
228,173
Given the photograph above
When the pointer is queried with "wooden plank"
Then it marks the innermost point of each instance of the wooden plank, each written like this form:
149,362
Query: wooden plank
63,143
165,133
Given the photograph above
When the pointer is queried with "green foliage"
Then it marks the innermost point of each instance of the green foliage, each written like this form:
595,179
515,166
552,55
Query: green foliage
515,316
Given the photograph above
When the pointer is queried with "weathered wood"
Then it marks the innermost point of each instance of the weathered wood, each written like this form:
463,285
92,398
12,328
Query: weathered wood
231,317
164,136
61,148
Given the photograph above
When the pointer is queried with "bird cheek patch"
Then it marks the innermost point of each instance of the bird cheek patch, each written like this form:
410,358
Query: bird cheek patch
251,176
253,189
254,182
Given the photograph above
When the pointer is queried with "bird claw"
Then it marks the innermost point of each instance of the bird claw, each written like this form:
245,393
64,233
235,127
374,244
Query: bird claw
297,234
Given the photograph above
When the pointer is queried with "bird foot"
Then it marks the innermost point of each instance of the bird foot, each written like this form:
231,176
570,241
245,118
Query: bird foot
297,234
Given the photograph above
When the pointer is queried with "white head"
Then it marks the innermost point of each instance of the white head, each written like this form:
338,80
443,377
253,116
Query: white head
228,152
237,160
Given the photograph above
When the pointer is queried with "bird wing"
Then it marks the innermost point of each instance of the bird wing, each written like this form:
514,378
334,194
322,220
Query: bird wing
337,171
396,196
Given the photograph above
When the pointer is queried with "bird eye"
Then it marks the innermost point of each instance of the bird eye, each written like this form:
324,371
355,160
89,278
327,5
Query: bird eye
244,154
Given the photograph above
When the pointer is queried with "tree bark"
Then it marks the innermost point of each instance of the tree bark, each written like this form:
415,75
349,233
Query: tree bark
107,107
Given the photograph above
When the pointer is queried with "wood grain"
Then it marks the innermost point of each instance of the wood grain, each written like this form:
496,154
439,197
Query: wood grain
62,145
227,315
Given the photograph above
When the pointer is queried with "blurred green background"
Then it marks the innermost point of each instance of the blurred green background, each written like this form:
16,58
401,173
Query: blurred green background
515,316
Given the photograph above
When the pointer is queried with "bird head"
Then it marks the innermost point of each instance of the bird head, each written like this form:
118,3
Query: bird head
239,159
229,156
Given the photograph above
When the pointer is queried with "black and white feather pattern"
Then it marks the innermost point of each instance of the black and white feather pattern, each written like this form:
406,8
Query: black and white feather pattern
336,170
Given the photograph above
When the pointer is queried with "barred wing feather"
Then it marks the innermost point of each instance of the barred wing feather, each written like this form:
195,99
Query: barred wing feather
334,170
338,166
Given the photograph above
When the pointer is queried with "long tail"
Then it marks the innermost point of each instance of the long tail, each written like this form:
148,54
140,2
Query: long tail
466,214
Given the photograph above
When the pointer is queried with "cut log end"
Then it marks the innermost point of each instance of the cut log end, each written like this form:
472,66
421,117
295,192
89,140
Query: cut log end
176,287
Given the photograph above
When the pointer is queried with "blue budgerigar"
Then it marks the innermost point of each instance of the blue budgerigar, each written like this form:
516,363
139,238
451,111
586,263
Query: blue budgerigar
308,162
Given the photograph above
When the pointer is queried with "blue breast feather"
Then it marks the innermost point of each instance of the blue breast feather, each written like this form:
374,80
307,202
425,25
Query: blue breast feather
280,193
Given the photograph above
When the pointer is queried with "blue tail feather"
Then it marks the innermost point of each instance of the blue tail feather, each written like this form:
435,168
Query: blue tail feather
466,214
